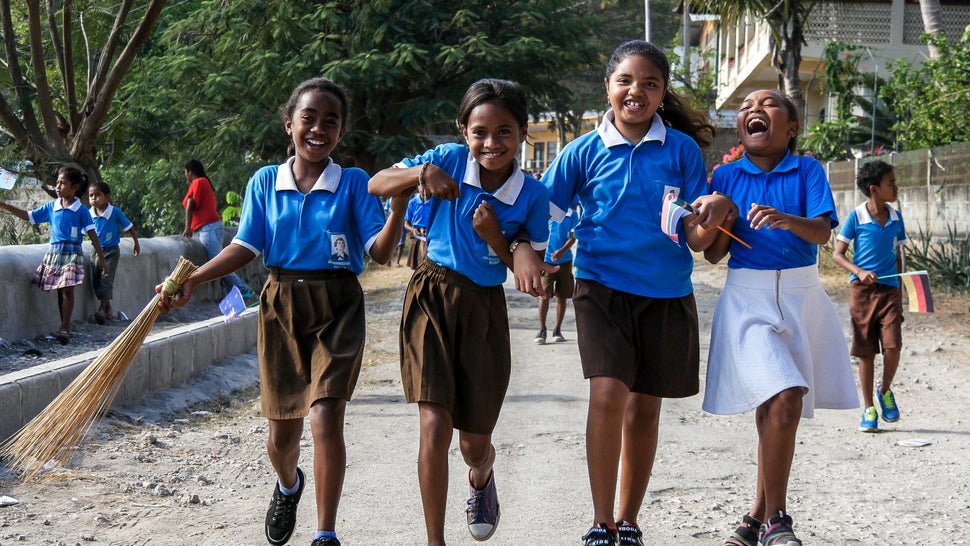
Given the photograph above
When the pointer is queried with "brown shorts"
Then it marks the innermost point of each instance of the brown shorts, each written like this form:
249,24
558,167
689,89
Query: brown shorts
877,317
560,283
455,348
417,254
650,344
311,339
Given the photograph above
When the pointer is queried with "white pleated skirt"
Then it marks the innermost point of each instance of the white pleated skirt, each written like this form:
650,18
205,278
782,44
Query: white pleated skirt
772,331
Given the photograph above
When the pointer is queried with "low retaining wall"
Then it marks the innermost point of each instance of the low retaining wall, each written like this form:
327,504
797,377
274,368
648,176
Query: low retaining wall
166,360
26,311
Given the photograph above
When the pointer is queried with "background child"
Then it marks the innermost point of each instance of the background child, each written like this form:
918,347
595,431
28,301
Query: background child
635,312
455,349
109,223
202,218
63,265
776,342
561,283
416,223
875,231
311,313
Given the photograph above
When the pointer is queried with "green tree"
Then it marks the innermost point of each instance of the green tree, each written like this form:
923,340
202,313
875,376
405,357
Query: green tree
931,100
62,69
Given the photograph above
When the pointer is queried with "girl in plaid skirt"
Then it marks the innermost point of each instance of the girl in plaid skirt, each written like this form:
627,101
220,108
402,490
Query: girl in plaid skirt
63,265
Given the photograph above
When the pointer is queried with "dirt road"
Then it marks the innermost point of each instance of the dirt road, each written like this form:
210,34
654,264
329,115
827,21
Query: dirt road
154,477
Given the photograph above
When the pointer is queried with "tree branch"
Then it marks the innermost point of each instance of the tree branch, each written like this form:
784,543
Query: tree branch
20,86
97,104
44,102
108,51
64,50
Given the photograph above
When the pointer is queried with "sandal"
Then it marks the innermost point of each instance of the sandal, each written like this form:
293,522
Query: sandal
778,532
62,337
746,534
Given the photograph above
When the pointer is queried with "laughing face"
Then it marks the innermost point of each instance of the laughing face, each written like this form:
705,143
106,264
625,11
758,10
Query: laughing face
636,90
765,127
316,126
493,136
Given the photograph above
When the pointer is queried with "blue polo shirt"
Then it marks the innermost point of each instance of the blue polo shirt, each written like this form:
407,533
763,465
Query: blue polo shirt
298,231
873,245
558,235
520,203
417,213
110,225
68,224
620,186
797,186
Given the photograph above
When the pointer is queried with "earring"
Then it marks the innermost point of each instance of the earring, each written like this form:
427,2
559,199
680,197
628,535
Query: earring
661,107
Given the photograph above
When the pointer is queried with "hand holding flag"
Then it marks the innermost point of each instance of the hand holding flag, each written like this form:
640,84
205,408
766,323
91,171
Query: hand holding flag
917,285
673,212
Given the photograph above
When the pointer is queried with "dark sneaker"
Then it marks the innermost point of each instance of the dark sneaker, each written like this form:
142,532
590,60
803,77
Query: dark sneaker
557,337
746,534
281,516
600,535
629,534
483,509
540,337
325,542
887,402
778,532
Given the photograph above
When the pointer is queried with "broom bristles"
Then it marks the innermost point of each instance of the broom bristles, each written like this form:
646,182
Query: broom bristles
55,432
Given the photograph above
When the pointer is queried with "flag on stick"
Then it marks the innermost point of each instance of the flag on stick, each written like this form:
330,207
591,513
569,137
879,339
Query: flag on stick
233,304
671,214
7,179
918,288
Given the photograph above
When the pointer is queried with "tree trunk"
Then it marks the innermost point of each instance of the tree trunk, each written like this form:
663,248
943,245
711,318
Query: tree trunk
932,22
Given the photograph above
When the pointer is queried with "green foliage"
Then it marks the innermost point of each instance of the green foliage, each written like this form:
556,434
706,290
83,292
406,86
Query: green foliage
948,261
851,127
931,100
233,210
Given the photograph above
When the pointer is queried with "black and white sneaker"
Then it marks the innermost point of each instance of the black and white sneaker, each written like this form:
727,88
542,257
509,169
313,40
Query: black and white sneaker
281,516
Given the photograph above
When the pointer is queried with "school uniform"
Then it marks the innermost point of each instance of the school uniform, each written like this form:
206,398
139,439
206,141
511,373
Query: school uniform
562,282
417,217
311,327
774,326
875,309
455,348
635,311
63,264
109,226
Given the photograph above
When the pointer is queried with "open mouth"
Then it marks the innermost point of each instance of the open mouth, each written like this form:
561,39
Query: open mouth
757,125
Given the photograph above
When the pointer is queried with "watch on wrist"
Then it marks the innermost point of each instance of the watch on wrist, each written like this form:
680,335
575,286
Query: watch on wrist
515,245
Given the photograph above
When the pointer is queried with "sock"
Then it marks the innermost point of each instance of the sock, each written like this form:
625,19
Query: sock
325,534
292,490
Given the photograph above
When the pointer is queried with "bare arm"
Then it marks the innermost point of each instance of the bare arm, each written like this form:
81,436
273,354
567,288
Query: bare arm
390,234
18,212
395,180
701,229
96,243
230,259
134,239
189,210
816,230
841,260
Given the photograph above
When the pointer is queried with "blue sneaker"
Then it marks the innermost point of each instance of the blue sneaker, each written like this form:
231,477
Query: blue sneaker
890,412
870,420
483,509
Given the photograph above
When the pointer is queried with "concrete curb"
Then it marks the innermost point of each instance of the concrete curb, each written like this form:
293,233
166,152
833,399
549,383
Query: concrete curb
167,359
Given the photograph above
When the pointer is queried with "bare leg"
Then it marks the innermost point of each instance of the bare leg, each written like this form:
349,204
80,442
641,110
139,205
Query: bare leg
640,426
561,303
543,312
890,363
65,300
778,422
604,429
329,458
283,448
436,434
866,372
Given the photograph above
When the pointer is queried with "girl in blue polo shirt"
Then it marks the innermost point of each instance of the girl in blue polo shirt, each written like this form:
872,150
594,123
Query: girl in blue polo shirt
776,342
635,314
63,265
455,354
312,221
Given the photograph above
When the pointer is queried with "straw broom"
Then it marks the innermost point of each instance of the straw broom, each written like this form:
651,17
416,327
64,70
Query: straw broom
55,432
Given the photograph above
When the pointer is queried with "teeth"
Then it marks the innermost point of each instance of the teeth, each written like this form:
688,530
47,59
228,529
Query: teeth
757,125
633,104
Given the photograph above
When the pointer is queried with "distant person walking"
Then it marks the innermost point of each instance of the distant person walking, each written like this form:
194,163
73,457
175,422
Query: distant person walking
561,283
202,219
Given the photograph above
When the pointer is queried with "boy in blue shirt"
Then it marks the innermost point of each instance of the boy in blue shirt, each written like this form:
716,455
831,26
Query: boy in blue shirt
876,231
561,283
109,224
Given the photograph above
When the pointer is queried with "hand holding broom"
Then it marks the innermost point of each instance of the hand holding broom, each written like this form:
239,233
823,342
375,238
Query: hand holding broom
55,432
